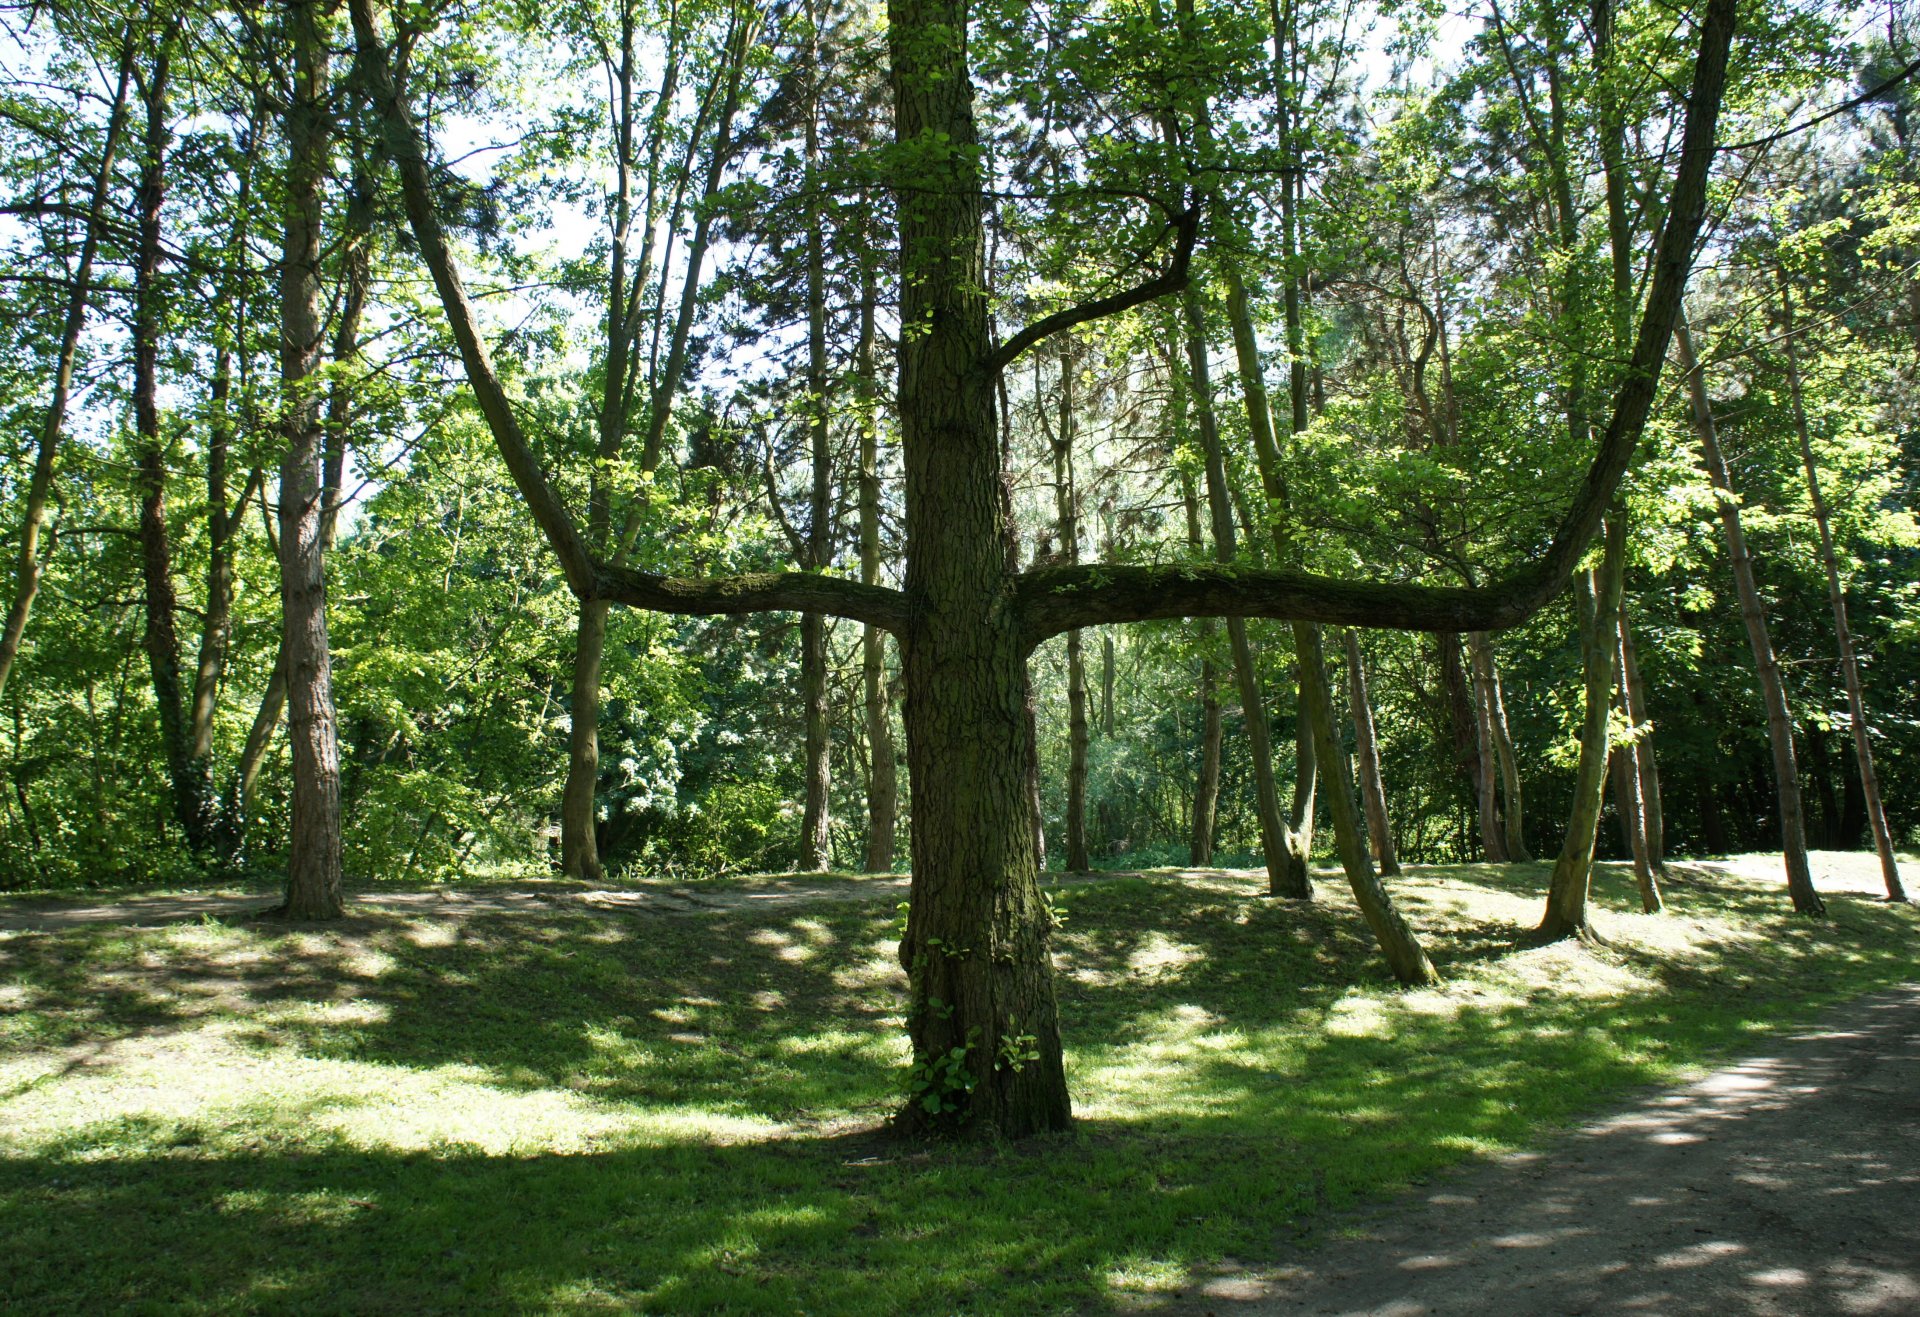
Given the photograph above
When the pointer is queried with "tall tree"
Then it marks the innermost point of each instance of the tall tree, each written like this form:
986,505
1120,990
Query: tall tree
981,1010
313,858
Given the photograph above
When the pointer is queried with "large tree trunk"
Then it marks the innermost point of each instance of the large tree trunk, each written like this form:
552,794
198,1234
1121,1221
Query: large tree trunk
313,860
883,788
1842,630
1367,750
1282,878
53,424
981,1009
1773,695
1596,601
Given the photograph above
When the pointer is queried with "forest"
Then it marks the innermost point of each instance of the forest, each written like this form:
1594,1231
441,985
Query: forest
1101,461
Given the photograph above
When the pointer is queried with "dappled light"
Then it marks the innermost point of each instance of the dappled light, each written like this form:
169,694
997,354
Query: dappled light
489,1092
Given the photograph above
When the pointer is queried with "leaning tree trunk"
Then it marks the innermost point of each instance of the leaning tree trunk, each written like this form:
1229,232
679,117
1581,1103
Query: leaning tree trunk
1596,600
313,860
1842,630
883,789
1786,773
1397,941
1065,500
1282,879
1367,751
53,424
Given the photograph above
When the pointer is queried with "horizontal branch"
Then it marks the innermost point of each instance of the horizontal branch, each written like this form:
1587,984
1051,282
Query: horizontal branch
753,592
1056,599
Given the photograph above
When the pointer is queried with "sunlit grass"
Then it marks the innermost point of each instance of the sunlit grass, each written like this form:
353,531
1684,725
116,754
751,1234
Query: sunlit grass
566,1109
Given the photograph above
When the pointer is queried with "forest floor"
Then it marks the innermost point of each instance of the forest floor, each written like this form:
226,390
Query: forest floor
545,1097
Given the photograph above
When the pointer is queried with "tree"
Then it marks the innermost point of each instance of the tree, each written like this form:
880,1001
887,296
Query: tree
981,1012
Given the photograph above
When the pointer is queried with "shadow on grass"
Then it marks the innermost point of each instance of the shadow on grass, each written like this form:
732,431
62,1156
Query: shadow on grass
1245,1067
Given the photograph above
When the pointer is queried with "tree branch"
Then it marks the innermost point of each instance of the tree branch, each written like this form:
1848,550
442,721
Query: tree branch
1170,280
1056,599
753,592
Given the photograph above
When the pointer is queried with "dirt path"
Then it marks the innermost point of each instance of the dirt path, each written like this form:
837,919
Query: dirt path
1788,1184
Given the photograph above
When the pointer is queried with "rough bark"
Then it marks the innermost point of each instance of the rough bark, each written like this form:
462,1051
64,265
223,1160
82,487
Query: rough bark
29,564
1596,600
1842,629
313,858
1367,751
1773,695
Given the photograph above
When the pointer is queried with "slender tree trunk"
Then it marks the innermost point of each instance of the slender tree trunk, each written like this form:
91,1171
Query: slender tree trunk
1066,515
313,861
1367,751
53,424
187,789
1842,630
1512,800
1630,799
1653,809
814,849
1493,837
1282,879
1596,601
883,789
579,835
1786,773
1206,789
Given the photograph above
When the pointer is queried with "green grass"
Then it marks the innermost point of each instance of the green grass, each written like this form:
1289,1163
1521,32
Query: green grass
568,1110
